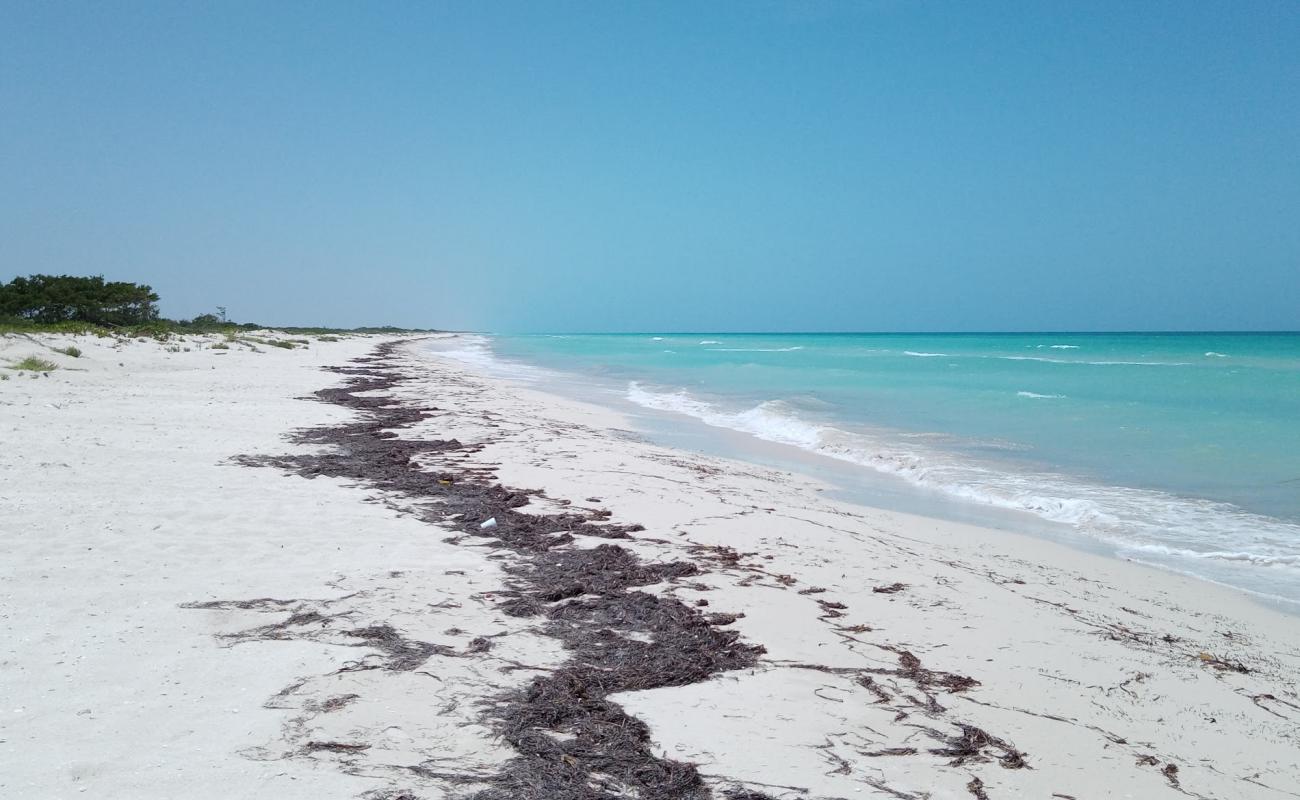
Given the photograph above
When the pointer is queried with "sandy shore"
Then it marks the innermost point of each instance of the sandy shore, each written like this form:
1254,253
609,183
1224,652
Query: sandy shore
187,615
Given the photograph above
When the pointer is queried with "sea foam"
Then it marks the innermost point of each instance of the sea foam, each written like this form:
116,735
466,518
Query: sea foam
1096,363
1131,520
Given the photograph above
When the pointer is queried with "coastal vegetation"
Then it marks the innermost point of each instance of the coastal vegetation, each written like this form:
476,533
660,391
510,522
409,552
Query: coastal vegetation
34,364
53,299
93,306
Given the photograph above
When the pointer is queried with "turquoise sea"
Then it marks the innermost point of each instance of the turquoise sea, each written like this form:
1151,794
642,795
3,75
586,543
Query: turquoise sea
1179,450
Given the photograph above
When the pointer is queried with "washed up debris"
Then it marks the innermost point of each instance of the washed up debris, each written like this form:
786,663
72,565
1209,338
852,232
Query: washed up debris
617,639
336,747
1222,664
975,744
1171,774
570,740
891,751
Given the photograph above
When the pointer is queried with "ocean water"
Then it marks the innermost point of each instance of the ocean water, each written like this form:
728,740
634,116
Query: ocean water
1178,450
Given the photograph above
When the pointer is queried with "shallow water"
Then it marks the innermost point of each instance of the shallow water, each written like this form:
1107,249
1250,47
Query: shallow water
1181,450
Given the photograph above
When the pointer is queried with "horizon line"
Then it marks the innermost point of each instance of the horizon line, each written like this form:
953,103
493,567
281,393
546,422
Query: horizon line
1189,332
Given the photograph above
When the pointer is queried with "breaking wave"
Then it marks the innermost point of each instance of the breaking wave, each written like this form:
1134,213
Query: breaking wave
1097,363
1135,521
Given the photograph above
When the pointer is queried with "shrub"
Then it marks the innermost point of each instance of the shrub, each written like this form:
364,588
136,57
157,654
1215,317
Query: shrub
159,330
34,364
46,299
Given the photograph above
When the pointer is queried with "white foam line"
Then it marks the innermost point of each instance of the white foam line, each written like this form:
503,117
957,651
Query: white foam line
1096,363
1189,528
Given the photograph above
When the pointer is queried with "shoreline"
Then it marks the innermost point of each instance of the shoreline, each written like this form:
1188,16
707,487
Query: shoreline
903,655
939,468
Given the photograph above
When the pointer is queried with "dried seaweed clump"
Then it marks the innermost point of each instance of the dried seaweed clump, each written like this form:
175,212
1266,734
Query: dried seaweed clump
974,744
571,741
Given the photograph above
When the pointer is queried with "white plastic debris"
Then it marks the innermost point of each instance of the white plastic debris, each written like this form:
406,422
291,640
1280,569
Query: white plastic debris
491,523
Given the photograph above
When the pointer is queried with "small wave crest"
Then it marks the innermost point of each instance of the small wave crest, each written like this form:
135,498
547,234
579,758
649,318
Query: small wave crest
1212,354
754,349
475,352
773,421
1097,363
1188,529
1255,559
917,354
1037,396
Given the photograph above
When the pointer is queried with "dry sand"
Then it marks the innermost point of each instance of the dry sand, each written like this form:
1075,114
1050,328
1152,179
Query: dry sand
370,637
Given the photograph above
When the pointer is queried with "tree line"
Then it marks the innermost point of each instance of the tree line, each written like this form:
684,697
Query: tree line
61,300
50,299
55,300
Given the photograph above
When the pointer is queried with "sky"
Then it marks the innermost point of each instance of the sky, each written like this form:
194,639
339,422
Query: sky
667,166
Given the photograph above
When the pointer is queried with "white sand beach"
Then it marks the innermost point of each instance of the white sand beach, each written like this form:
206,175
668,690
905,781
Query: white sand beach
183,623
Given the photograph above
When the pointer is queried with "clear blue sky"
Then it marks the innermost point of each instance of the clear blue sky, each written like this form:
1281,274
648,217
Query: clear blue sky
664,166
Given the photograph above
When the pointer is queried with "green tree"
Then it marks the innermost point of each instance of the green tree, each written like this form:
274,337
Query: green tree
48,299
205,322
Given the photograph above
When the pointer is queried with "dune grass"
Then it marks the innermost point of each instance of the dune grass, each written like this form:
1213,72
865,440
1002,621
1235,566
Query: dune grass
34,364
73,352
281,343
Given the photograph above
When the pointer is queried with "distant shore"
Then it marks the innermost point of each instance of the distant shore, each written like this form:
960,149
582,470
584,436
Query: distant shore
445,585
